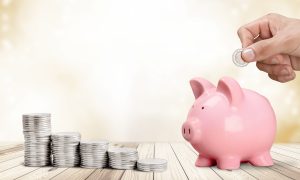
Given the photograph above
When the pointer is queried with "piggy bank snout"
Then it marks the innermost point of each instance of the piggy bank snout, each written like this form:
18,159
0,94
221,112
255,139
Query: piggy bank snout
187,131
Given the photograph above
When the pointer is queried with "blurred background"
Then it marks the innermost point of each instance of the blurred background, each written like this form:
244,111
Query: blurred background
119,69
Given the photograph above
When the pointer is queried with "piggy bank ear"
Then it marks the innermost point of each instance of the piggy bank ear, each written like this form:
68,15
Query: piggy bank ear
200,85
231,89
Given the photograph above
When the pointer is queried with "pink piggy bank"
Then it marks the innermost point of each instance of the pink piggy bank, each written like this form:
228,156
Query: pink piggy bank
228,125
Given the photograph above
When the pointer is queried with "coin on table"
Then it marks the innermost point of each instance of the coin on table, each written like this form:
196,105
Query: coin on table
152,164
37,145
94,154
65,149
237,58
122,158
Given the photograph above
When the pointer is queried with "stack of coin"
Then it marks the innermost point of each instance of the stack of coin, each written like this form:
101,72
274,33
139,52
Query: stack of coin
122,158
65,149
152,164
37,131
93,154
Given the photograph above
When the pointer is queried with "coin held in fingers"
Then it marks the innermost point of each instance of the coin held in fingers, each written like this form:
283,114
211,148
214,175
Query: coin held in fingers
237,58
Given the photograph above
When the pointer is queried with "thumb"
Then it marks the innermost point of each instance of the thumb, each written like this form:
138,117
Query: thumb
263,49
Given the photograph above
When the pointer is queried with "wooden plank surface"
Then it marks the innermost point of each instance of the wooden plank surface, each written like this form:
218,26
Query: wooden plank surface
12,155
11,148
145,150
3,143
181,158
187,158
286,152
288,148
11,163
74,174
286,159
263,172
175,170
111,173
17,171
42,173
106,174
286,169
225,174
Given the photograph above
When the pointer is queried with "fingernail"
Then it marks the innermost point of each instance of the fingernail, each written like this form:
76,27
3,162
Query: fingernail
284,72
275,61
248,55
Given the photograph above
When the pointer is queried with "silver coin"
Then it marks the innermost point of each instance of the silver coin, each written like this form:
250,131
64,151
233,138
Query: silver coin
123,167
94,142
152,164
37,134
122,158
66,134
94,154
237,58
93,167
93,161
98,152
92,157
37,115
65,149
37,145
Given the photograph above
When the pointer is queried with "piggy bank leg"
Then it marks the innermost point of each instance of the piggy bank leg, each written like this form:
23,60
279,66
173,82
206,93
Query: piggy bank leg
263,159
228,163
203,161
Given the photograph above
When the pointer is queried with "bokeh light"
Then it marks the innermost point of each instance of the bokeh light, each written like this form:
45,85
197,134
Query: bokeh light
120,69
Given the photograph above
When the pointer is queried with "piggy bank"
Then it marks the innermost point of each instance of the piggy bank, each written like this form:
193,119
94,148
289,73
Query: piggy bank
229,125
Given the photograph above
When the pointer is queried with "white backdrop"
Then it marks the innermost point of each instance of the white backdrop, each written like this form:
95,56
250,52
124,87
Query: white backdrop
120,69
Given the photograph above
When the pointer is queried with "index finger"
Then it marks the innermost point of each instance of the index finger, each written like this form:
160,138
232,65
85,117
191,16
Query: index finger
251,31
246,37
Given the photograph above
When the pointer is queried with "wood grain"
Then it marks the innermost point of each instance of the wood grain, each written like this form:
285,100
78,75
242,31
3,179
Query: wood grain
225,174
12,155
16,172
187,159
11,148
42,173
111,173
11,163
181,158
145,150
175,170
263,172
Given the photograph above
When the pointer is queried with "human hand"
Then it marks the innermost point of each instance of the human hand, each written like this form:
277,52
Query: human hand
273,41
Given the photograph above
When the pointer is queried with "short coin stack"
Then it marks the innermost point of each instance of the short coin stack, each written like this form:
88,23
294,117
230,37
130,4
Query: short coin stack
122,158
65,149
37,131
153,164
93,154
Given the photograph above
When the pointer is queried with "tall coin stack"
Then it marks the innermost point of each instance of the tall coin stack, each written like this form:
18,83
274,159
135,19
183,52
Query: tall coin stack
65,149
122,158
93,154
37,131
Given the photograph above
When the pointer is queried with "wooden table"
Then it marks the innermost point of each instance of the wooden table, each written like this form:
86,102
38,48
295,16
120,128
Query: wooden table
180,156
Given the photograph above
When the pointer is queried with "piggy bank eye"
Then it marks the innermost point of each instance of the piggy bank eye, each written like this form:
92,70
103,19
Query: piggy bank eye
202,107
